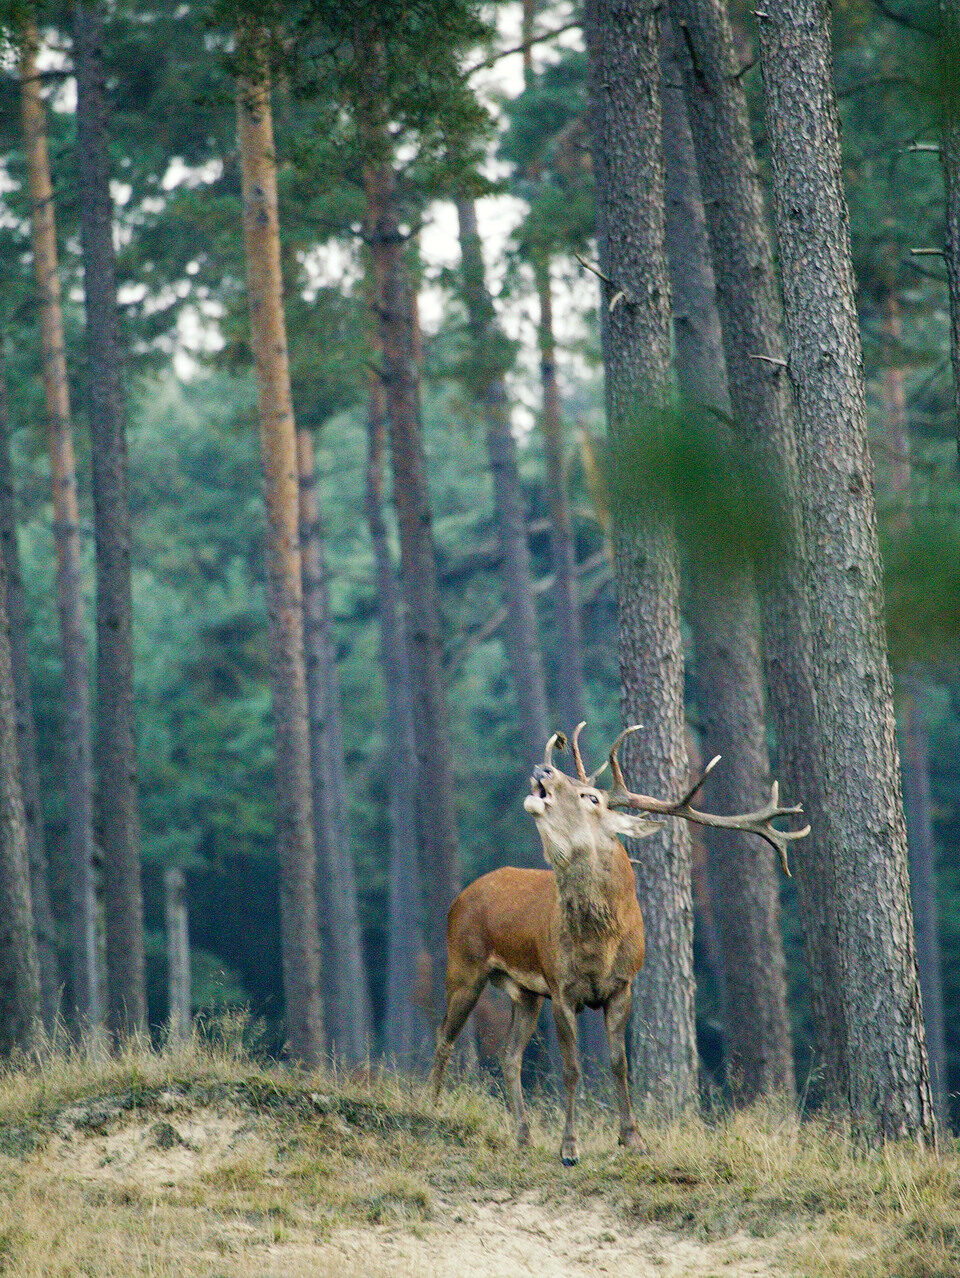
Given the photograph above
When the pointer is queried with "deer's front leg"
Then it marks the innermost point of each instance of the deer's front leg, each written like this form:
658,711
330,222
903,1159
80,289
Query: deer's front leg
566,1022
617,1014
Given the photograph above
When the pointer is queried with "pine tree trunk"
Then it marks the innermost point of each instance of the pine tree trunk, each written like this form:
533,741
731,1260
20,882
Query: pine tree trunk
748,300
914,750
48,961
521,638
705,920
78,782
725,627
950,160
882,1067
118,817
623,44
406,1033
346,998
528,14
440,864
296,849
178,953
19,973
570,693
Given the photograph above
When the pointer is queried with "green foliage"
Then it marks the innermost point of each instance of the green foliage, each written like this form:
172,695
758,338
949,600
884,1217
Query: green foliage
923,589
397,63
546,143
682,468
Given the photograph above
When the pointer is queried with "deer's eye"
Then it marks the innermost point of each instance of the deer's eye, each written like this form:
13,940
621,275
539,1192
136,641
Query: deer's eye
593,799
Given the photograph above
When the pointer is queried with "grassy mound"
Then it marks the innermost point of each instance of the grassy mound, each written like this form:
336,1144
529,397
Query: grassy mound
199,1160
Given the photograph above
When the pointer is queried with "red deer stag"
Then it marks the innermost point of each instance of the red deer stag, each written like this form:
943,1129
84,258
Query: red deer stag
572,933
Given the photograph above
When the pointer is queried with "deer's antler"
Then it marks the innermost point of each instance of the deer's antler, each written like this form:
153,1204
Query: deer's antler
575,747
557,742
758,822
578,759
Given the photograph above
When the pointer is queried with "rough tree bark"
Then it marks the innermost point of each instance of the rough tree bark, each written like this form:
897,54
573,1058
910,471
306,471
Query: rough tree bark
19,973
19,976
521,638
117,815
623,44
406,1033
48,962
295,836
725,626
748,300
85,992
346,998
880,1072
439,843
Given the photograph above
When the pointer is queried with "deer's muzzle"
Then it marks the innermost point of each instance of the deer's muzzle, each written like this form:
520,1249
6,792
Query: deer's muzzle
539,798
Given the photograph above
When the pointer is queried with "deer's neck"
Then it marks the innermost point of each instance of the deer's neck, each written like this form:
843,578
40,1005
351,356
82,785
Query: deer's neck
587,889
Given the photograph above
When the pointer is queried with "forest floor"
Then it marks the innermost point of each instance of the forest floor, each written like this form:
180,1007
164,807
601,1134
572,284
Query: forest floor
201,1161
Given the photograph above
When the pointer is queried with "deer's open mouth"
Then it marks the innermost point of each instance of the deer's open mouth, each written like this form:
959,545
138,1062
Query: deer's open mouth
539,798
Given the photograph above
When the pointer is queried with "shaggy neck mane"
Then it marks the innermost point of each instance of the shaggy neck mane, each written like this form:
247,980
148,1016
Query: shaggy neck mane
587,890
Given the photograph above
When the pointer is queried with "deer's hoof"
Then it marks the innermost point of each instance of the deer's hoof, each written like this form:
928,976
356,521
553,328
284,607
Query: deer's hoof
523,1136
569,1155
631,1140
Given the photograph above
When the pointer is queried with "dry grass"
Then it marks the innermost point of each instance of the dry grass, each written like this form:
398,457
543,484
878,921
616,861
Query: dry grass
200,1161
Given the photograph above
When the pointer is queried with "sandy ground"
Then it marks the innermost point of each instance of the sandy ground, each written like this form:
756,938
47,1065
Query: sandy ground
507,1240
465,1237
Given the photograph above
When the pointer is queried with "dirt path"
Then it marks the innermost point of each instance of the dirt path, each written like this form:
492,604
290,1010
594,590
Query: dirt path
515,1239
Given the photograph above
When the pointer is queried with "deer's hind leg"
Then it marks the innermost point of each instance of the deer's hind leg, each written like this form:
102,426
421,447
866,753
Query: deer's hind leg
462,995
617,1014
526,1010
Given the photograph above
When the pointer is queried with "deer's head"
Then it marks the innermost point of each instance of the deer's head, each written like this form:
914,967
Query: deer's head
572,815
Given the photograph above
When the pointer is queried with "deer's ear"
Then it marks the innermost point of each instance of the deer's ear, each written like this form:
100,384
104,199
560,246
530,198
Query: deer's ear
630,824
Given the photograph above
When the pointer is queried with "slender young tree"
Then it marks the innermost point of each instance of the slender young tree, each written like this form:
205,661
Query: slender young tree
176,919
78,737
521,638
726,634
19,973
117,814
296,849
623,44
881,1071
406,1037
346,998
571,692
48,962
439,842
